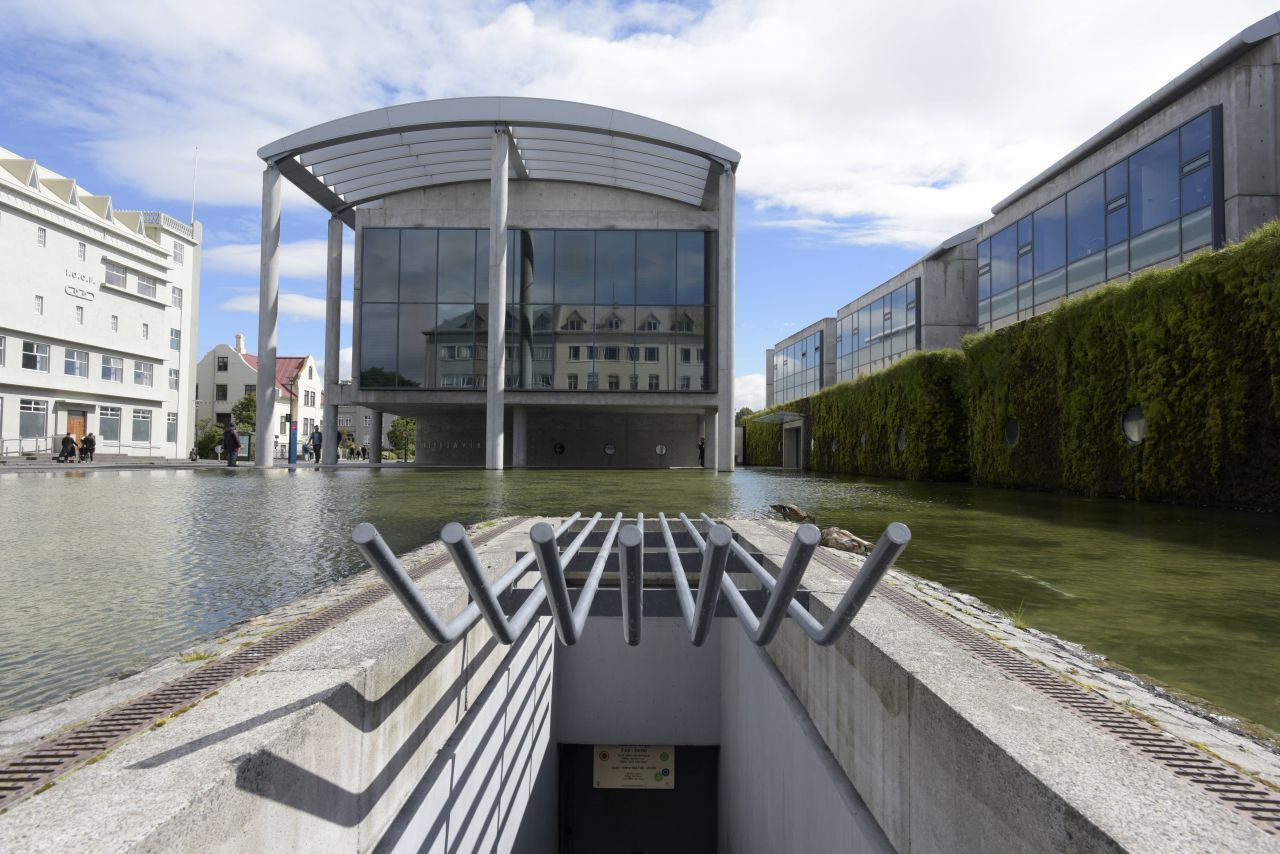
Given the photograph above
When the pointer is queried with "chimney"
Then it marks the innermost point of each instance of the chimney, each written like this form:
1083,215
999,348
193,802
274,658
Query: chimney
239,343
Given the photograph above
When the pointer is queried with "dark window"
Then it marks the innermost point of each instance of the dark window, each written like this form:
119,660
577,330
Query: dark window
575,273
1153,178
1196,136
1050,236
380,265
1004,254
220,392
222,363
378,346
482,266
1085,220
417,324
655,267
1024,233
615,267
1197,189
691,268
457,266
418,265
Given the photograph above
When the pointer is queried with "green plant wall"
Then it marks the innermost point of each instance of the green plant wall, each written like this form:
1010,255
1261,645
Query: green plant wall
1197,347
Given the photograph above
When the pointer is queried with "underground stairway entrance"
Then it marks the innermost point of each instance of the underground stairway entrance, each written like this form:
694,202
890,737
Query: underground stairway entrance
628,705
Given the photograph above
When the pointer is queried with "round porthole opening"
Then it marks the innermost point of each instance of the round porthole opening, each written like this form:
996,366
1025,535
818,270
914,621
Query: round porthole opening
661,450
1134,425
559,448
902,438
609,449
1011,431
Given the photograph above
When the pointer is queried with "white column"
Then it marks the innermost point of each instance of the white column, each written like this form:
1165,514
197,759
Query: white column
268,300
494,392
519,437
332,338
725,324
375,440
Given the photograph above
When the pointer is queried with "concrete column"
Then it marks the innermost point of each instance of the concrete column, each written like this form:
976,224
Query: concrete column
725,325
419,441
332,337
494,391
519,437
268,302
713,436
375,440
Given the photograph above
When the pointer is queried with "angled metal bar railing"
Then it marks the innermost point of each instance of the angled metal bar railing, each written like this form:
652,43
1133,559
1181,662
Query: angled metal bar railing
381,558
699,611
569,620
890,545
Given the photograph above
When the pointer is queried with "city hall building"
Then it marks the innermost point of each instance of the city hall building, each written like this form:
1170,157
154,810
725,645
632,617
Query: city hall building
1194,166
97,319
596,330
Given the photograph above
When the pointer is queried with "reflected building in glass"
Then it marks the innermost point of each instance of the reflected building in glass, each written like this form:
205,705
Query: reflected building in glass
597,331
1194,166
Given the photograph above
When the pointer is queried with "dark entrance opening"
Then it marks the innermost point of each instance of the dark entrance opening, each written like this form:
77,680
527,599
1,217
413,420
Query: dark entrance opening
679,820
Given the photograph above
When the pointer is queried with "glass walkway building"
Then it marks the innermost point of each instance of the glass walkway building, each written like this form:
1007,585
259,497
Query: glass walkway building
1195,165
597,330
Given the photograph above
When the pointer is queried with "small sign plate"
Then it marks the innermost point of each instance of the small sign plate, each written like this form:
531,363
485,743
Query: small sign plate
635,766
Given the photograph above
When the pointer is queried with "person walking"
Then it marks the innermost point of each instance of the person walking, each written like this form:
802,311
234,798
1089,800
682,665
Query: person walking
87,446
69,449
231,444
702,451
317,439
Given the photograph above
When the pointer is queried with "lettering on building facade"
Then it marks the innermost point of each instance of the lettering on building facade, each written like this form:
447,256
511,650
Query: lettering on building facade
453,446
80,293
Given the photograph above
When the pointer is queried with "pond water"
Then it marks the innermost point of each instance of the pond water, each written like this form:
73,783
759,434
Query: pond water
104,572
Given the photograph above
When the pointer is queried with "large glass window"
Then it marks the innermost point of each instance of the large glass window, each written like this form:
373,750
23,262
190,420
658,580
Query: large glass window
113,369
141,425
109,423
76,363
572,296
35,356
1150,207
33,418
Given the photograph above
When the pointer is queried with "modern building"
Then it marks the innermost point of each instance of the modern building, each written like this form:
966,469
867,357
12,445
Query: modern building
226,374
1195,165
598,331
98,319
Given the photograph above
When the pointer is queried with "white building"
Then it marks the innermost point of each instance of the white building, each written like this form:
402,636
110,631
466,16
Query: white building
226,374
98,313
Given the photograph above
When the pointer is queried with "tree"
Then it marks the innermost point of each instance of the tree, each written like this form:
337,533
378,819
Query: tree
401,435
744,412
208,437
245,413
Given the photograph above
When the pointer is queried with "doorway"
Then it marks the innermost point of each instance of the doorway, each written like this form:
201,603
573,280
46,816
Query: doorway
76,420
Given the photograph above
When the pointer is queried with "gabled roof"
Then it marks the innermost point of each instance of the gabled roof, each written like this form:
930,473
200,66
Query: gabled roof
349,161
287,368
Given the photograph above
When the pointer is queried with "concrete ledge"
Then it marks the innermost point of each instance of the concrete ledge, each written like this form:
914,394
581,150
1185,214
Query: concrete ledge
951,754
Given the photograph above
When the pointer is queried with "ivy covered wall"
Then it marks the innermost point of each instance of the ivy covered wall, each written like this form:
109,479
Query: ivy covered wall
1039,405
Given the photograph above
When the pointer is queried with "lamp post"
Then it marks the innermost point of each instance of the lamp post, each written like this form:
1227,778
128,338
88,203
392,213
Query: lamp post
293,421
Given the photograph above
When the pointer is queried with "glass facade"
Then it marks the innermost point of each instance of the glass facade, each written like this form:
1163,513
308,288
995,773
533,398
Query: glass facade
879,333
636,307
1154,205
797,369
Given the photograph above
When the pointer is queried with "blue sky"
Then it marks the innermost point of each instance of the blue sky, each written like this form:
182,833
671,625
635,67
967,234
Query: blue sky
868,132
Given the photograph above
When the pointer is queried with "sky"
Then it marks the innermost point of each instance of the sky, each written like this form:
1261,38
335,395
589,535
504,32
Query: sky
869,132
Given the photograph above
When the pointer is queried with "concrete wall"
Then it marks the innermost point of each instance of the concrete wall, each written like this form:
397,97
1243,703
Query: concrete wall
780,787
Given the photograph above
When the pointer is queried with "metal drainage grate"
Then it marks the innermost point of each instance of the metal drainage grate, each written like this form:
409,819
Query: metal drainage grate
1228,785
58,754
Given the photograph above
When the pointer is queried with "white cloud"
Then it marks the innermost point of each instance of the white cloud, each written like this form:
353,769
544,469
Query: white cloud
748,390
300,259
290,306
344,363
874,123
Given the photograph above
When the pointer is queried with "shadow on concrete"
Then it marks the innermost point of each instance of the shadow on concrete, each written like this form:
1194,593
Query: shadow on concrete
273,777
352,706
443,829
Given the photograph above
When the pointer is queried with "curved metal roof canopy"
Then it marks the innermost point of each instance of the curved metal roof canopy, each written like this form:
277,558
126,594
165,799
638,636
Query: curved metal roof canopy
350,161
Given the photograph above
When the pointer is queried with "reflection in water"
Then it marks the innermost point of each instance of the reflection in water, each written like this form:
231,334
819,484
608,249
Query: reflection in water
105,571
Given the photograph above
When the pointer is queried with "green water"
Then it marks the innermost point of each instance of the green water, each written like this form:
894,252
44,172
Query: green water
104,572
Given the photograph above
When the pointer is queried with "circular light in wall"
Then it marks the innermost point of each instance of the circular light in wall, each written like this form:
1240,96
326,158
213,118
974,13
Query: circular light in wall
559,448
902,438
1011,431
1134,425
661,450
610,449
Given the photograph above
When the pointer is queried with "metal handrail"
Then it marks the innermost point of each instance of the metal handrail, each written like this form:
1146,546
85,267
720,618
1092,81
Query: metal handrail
552,588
